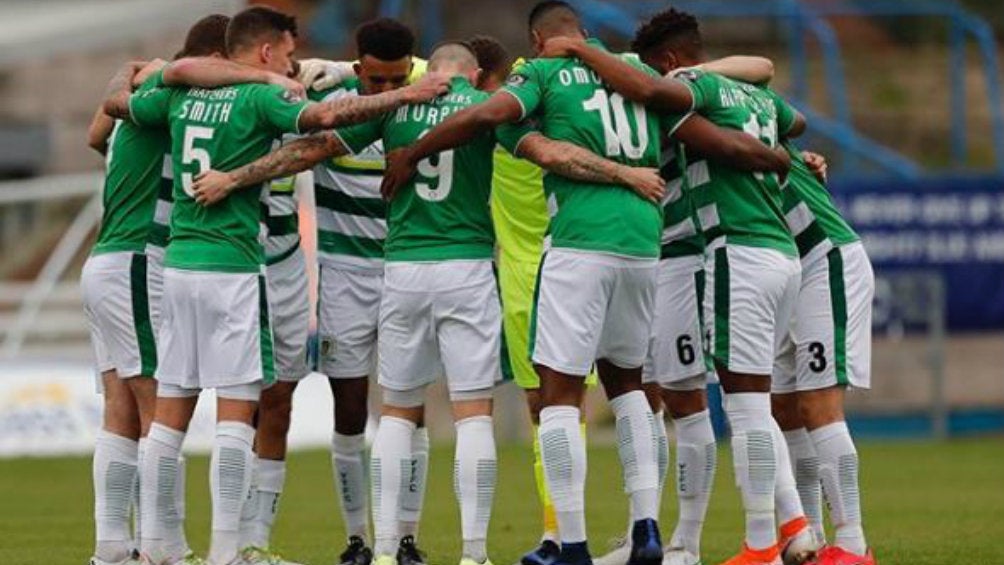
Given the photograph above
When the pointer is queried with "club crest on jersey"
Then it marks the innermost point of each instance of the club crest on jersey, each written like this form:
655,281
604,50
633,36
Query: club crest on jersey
290,96
327,347
689,75
515,80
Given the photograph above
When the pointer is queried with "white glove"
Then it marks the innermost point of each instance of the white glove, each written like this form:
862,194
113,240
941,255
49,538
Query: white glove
320,74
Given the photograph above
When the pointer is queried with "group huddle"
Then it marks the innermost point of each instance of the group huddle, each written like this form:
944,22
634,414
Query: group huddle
641,220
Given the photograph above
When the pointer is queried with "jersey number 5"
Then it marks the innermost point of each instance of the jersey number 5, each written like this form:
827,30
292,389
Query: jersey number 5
190,153
617,132
441,170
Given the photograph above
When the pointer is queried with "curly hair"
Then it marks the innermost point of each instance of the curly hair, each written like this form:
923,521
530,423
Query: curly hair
384,38
665,28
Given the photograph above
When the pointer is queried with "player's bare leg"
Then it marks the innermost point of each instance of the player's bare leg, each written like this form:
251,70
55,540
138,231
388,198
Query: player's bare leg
232,451
114,471
144,391
352,477
620,552
795,486
638,451
269,476
823,413
163,524
755,460
548,549
349,465
476,469
696,461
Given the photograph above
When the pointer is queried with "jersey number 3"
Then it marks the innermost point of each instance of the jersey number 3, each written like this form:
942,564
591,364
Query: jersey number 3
190,153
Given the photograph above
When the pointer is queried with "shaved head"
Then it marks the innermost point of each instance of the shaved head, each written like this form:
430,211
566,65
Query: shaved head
453,56
553,18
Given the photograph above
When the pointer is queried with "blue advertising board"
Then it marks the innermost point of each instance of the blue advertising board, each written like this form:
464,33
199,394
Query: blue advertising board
951,226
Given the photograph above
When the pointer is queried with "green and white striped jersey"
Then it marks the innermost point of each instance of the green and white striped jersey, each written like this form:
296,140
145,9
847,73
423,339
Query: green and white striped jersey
351,216
681,235
809,210
282,223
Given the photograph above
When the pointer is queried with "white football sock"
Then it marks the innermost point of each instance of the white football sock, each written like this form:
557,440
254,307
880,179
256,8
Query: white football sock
137,523
230,471
787,502
563,451
696,459
351,469
390,456
114,471
637,447
163,528
662,448
270,477
475,468
755,461
838,469
806,466
413,497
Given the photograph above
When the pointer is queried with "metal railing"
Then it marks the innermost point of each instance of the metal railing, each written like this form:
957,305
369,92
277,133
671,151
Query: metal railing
33,298
801,19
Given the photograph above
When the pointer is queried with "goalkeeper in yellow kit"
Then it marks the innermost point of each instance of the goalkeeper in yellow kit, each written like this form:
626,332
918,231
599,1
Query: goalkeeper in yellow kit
519,212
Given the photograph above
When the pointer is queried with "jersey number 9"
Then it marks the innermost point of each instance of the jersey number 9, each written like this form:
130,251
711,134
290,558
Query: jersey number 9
441,170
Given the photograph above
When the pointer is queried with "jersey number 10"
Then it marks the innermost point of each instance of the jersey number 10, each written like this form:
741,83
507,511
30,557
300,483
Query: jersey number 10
617,132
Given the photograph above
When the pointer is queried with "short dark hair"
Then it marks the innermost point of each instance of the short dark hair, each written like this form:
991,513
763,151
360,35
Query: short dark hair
384,38
545,7
248,26
207,36
671,27
493,57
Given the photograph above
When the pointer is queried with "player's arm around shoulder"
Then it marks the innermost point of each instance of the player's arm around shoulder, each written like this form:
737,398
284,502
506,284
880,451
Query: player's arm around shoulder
627,77
293,157
351,110
120,89
574,162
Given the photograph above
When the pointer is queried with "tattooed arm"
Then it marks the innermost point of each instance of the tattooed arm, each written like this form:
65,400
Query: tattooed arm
570,160
212,186
356,109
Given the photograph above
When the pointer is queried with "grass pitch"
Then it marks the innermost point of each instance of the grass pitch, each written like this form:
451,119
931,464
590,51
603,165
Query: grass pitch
924,504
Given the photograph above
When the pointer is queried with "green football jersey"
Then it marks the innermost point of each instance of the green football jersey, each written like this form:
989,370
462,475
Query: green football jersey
572,104
222,129
442,213
137,180
680,234
812,216
744,207
351,215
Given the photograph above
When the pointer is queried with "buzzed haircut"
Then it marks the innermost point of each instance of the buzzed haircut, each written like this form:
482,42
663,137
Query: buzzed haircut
207,36
384,38
250,26
671,28
456,52
493,57
552,9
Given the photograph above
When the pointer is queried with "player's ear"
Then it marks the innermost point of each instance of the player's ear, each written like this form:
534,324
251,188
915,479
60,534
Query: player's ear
538,43
475,77
265,52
